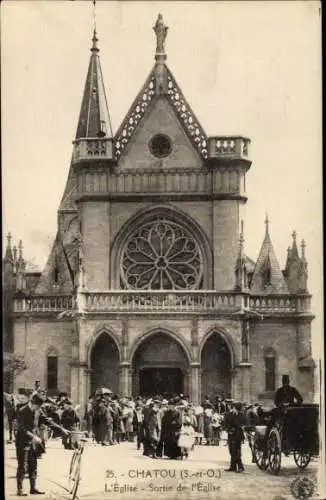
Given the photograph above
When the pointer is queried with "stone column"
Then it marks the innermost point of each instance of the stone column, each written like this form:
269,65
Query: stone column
241,382
194,389
82,385
186,383
124,378
74,381
88,376
130,381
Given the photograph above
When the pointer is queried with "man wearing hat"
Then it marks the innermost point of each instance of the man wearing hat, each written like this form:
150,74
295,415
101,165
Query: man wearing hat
29,417
234,422
287,395
69,420
284,396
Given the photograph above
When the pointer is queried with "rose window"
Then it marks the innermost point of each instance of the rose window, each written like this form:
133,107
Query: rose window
161,255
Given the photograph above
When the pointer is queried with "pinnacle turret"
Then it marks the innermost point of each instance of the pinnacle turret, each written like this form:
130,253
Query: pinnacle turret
267,276
241,268
9,254
294,252
296,269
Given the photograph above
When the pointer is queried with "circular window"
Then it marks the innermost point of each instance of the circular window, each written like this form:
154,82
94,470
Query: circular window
161,254
160,145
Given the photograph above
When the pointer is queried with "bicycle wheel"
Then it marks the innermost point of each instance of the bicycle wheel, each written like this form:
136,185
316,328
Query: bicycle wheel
73,470
76,479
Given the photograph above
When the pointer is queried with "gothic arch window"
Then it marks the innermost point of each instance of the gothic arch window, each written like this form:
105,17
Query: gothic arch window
161,254
52,369
270,369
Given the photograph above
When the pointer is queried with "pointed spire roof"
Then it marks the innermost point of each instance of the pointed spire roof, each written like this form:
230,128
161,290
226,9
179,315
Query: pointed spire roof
267,276
94,119
161,82
9,254
294,251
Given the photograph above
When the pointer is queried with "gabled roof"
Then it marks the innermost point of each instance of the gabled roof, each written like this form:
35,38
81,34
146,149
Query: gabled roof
94,119
160,82
267,276
150,91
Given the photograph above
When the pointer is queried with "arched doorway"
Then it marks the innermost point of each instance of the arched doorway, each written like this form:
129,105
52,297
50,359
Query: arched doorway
216,367
104,364
159,366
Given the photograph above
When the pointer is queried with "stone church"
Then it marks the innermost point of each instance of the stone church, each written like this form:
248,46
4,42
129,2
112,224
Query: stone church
147,288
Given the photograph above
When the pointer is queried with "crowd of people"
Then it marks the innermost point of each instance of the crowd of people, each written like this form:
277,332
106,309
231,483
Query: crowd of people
160,426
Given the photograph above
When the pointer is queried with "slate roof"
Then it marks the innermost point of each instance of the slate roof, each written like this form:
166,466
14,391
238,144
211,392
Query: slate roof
267,276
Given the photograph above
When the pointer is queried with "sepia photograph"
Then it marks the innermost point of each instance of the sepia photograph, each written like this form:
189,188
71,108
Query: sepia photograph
163,329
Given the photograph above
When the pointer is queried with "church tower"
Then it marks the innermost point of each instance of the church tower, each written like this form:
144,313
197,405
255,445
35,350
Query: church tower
147,288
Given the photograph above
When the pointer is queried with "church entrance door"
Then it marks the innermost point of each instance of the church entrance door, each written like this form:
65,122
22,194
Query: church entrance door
159,367
165,381
216,368
105,364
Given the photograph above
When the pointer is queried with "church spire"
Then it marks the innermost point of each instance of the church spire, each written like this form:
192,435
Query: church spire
267,276
94,119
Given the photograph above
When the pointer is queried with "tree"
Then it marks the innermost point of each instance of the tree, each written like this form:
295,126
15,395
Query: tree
13,364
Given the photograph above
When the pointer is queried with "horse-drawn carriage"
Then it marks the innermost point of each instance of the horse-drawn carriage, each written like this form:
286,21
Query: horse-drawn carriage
292,430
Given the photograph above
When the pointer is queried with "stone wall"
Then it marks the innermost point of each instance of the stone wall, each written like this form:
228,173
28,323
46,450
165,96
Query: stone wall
34,339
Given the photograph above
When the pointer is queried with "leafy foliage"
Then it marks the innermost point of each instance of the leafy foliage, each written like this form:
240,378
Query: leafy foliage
13,364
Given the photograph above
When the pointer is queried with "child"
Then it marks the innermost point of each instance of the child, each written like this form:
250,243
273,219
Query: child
186,437
216,427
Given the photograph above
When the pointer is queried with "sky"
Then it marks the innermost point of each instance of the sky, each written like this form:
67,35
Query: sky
246,68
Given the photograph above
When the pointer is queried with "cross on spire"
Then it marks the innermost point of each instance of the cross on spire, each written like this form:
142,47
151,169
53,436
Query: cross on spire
267,223
94,42
294,236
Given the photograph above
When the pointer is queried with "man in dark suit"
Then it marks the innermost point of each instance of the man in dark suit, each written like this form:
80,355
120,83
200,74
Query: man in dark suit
234,422
284,396
28,443
287,395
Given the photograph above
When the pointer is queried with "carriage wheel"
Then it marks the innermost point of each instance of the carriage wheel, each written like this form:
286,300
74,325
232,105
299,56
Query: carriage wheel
274,451
258,456
302,458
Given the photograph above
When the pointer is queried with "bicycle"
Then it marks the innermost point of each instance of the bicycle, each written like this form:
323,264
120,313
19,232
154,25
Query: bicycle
75,464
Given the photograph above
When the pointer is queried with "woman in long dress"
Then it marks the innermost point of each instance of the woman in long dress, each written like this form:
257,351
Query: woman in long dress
208,430
171,425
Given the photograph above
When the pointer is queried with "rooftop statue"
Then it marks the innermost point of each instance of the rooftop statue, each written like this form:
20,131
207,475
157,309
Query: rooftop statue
161,32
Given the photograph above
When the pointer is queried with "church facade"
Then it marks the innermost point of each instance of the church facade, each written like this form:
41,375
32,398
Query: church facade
147,288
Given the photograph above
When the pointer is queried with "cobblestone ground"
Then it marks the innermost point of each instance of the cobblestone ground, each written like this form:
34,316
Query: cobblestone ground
130,475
